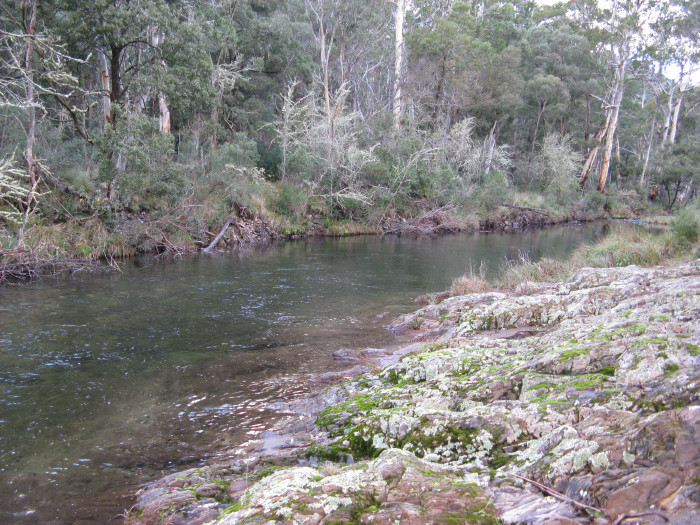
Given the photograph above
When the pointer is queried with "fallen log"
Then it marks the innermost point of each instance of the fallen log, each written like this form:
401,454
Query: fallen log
216,240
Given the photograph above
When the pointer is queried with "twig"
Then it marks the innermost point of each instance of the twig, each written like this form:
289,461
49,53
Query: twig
640,515
554,493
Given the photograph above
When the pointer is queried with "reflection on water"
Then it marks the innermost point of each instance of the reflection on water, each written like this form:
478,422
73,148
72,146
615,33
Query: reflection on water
107,382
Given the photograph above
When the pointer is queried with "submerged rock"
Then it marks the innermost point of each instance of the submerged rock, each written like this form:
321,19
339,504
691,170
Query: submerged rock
577,403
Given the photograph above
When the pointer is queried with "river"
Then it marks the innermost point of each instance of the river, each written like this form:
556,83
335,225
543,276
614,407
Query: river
108,381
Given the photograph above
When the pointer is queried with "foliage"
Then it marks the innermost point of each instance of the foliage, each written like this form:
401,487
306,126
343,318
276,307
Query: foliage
686,226
14,192
286,108
556,167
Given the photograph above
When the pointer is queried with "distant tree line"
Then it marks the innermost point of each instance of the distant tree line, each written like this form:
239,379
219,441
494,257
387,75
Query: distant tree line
369,108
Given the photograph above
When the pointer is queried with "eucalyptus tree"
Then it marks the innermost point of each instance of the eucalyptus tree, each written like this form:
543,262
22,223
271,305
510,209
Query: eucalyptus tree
35,68
621,42
676,49
446,59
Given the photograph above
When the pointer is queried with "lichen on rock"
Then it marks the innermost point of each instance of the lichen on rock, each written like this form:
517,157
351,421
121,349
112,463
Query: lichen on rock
596,397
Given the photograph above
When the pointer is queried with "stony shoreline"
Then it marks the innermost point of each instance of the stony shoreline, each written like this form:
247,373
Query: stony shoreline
558,403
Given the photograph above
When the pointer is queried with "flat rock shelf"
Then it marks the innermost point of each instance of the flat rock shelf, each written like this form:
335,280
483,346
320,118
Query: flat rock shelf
559,403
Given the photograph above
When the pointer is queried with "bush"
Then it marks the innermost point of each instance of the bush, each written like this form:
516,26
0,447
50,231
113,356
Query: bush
685,227
240,152
493,192
288,201
556,167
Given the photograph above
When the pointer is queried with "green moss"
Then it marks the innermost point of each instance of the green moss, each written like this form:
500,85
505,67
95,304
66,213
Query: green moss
693,349
635,362
496,462
539,385
393,377
570,354
222,482
466,367
632,328
357,404
461,439
670,369
608,370
332,452
135,516
361,444
267,471
592,382
438,345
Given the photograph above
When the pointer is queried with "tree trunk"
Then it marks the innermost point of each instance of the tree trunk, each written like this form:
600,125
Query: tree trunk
592,156
613,112
587,129
164,120
489,147
29,158
668,112
106,88
157,38
534,139
399,18
676,111
647,155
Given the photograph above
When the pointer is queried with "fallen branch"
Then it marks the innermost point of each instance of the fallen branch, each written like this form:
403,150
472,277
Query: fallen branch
34,269
218,237
640,515
525,208
554,493
432,222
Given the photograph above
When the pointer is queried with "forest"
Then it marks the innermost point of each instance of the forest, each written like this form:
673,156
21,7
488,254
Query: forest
131,126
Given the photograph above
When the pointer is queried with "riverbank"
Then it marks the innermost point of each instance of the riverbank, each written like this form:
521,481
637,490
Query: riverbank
97,242
571,402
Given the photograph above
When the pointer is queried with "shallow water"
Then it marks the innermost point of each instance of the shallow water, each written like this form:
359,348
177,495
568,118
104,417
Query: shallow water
109,381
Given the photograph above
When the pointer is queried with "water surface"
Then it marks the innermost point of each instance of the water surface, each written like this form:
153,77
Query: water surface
110,381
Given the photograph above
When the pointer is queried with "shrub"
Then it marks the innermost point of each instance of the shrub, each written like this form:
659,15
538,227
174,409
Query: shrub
288,201
685,227
556,167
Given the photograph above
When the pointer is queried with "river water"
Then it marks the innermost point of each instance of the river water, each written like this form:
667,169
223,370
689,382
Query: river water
108,381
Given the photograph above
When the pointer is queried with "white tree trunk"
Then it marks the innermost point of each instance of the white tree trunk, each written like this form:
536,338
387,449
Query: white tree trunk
399,19
668,112
30,93
647,155
157,38
677,109
613,111
106,86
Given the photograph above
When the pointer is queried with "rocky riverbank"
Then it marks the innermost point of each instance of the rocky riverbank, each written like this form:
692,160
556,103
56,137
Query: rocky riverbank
573,402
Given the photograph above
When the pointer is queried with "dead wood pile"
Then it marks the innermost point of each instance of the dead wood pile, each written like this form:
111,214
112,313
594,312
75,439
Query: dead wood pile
435,222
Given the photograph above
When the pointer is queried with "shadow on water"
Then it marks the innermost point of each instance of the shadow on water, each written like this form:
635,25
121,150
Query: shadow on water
107,382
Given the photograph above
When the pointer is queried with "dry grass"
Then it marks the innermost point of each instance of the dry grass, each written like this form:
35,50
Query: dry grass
522,270
614,250
468,284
